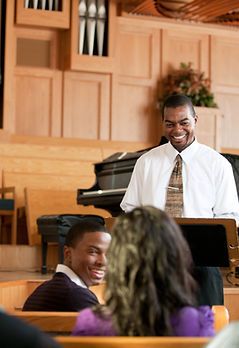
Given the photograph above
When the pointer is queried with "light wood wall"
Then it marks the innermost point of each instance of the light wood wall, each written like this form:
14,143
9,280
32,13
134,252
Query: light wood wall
115,97
54,163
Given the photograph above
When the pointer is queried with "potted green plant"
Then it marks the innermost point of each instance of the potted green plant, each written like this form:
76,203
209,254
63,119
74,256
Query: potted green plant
191,83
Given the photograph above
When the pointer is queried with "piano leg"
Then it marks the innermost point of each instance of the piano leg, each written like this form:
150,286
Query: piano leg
44,253
61,248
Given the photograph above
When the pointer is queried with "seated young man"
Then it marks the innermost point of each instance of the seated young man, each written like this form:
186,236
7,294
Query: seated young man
84,265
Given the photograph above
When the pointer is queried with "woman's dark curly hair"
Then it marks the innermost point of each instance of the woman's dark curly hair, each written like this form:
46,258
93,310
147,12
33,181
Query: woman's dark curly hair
148,273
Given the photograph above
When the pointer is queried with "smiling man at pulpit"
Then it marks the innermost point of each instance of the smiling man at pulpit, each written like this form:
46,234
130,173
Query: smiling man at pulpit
84,265
186,179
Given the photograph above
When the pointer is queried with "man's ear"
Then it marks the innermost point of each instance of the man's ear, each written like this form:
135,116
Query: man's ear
196,119
67,254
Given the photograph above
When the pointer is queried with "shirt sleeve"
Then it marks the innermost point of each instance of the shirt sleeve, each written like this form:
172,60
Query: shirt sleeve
194,322
227,204
132,195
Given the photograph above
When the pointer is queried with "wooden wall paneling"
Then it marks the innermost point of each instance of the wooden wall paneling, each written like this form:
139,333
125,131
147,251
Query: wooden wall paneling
86,111
78,152
137,51
225,83
135,115
138,64
32,96
47,166
47,181
38,101
209,127
74,147
39,90
55,163
19,257
9,64
180,45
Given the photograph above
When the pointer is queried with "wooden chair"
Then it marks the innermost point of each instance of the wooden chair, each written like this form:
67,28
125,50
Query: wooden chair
8,209
52,202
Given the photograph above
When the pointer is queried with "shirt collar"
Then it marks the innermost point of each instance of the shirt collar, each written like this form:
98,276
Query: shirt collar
73,277
186,154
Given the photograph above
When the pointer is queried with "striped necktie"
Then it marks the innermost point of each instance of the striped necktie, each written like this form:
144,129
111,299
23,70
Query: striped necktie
174,201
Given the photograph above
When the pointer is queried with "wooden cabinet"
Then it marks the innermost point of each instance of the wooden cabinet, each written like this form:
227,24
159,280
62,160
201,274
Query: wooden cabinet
43,18
72,60
209,127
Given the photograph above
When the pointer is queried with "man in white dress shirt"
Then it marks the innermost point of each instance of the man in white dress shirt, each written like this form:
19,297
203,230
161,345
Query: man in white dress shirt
209,189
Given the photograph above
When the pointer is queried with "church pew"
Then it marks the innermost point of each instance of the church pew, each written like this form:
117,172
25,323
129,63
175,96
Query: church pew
132,342
58,322
53,322
13,294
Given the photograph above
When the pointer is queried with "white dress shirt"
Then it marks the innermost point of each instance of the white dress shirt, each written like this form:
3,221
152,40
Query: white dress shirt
73,277
209,189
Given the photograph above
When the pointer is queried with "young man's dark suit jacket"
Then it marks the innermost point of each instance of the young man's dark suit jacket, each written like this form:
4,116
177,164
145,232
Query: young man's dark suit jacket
60,294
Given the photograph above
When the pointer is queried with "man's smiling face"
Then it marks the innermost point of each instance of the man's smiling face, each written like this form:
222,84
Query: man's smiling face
179,126
88,258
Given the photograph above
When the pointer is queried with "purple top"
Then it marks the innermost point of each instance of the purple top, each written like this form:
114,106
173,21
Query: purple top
189,321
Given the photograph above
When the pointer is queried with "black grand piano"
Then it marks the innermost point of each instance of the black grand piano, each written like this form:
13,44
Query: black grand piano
112,178
113,175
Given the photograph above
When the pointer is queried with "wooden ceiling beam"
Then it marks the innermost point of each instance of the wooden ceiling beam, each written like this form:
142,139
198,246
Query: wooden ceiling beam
211,10
196,10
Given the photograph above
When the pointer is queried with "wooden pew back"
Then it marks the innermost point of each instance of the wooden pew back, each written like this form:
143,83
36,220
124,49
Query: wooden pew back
52,202
133,342
54,322
13,294
59,322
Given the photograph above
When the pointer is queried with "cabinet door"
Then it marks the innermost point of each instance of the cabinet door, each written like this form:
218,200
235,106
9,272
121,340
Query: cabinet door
76,59
38,102
57,17
86,105
134,115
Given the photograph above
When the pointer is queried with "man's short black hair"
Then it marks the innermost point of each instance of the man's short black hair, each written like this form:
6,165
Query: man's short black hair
77,231
176,100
